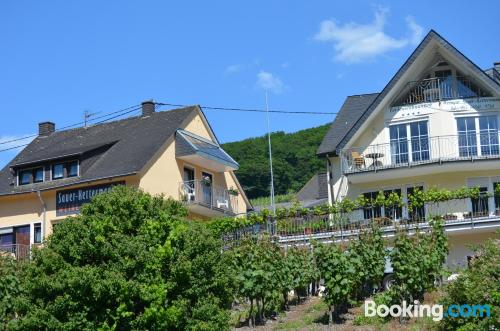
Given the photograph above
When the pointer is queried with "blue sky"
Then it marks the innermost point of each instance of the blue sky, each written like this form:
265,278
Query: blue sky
60,58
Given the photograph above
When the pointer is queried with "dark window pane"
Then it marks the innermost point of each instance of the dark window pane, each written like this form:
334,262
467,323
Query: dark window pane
37,233
38,175
25,177
73,169
57,171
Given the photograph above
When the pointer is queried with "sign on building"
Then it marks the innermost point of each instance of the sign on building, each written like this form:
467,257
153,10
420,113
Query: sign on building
69,201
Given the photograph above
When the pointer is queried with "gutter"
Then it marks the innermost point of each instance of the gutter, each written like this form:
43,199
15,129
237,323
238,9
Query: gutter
44,218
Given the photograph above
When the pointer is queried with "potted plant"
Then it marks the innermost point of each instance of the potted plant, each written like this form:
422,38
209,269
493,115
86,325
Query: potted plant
233,191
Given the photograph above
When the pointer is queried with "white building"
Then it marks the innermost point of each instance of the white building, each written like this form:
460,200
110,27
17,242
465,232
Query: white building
435,124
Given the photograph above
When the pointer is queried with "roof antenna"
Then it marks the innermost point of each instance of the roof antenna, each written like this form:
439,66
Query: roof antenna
87,115
273,206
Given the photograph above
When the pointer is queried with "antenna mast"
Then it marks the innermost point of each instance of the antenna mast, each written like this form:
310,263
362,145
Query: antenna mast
273,206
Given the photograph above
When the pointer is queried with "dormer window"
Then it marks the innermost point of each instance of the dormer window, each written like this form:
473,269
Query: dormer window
58,171
65,170
72,169
30,176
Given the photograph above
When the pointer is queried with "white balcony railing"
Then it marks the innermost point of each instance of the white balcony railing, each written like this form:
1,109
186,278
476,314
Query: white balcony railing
439,89
419,151
207,194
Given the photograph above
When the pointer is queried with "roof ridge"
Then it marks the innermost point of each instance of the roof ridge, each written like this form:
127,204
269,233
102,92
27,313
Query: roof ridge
121,120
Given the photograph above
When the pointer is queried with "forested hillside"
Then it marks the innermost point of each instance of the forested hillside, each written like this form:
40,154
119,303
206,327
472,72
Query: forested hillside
294,160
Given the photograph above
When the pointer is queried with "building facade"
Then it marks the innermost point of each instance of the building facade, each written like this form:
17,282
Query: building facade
435,124
174,153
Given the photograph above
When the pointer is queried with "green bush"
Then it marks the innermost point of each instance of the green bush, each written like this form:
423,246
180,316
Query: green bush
129,261
479,284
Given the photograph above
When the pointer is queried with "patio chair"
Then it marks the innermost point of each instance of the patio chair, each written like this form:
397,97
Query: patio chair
358,160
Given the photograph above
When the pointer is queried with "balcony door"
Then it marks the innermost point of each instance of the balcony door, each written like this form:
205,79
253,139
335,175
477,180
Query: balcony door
468,144
415,149
189,183
207,182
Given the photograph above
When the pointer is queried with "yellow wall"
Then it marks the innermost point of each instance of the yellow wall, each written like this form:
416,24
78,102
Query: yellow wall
161,176
27,208
165,172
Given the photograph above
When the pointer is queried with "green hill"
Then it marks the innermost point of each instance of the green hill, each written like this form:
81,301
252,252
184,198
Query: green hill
294,160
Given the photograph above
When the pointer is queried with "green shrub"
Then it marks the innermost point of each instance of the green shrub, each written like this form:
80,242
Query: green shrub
129,261
479,284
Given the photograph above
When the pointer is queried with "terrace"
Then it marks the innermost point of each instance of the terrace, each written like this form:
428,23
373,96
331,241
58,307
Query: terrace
203,197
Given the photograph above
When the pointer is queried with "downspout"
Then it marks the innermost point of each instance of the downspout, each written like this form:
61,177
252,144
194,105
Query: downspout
329,180
44,217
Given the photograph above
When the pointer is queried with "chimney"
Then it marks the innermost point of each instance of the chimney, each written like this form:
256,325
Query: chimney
46,128
496,65
148,108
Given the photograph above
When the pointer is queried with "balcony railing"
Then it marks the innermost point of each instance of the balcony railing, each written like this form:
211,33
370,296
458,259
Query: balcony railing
458,215
419,151
439,89
17,251
207,194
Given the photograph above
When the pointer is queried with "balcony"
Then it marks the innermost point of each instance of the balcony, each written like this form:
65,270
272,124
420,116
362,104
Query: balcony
439,89
204,198
16,251
418,152
460,216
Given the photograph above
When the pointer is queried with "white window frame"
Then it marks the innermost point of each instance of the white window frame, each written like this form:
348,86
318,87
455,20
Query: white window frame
407,124
476,117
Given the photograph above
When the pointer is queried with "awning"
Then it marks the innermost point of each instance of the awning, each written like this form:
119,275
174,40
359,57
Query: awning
200,151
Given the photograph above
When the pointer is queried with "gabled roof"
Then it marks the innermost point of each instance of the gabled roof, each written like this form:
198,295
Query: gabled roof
352,109
125,147
334,141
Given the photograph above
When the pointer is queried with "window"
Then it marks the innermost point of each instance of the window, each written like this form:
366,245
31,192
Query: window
58,171
496,198
419,141
415,150
399,144
467,142
25,177
480,205
65,170
72,168
488,135
37,235
38,175
393,212
30,176
418,212
372,211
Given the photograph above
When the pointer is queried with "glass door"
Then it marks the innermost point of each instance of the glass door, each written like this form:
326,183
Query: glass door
488,135
207,181
419,141
467,141
189,183
399,143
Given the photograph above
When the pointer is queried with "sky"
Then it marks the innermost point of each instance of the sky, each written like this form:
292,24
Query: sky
59,59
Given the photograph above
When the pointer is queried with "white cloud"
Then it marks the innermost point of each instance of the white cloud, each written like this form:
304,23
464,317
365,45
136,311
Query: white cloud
417,30
233,68
269,82
354,42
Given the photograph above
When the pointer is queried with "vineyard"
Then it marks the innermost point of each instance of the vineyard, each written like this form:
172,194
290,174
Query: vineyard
131,261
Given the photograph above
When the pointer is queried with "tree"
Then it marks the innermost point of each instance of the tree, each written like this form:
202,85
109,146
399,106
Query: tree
129,261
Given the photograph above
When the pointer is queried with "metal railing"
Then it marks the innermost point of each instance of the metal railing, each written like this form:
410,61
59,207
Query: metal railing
455,213
209,195
422,150
17,251
438,89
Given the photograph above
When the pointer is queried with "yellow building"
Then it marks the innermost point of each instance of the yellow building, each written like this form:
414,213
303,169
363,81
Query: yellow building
174,153
435,124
